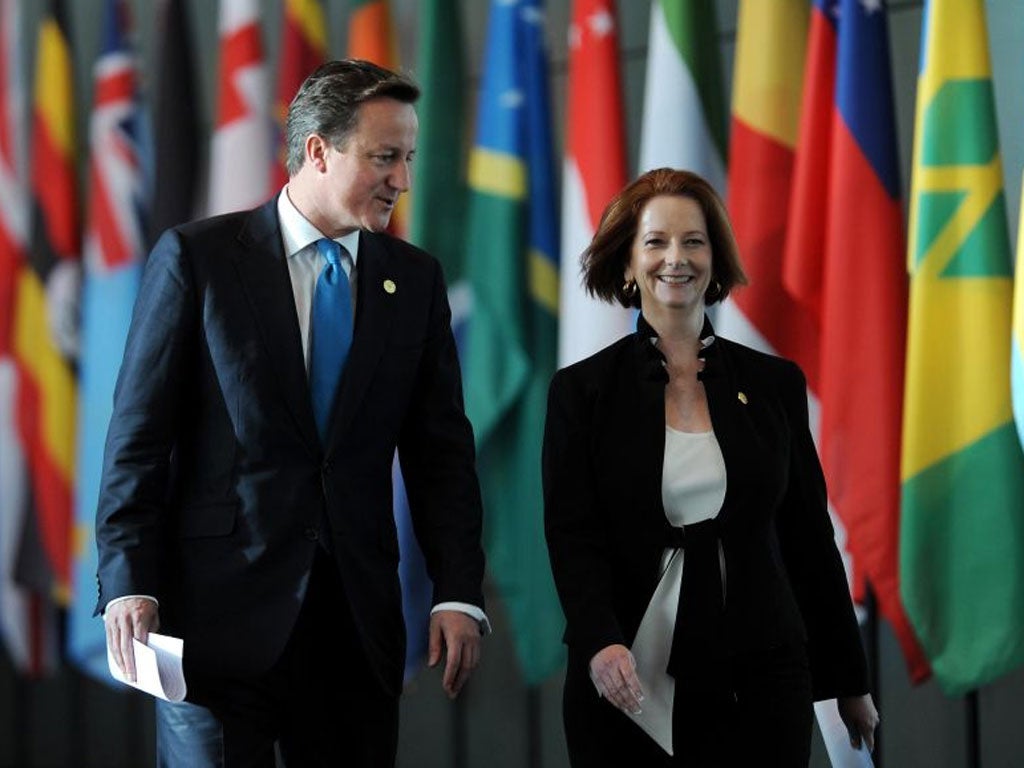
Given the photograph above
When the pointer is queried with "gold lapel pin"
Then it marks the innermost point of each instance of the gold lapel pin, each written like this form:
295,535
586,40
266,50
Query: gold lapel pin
389,286
742,398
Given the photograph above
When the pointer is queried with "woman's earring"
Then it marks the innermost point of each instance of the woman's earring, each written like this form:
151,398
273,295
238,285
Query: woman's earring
629,288
714,290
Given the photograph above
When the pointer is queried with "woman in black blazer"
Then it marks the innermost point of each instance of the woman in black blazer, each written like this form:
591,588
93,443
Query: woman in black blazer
674,447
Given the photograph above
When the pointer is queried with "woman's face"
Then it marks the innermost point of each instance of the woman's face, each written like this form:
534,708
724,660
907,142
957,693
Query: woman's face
671,255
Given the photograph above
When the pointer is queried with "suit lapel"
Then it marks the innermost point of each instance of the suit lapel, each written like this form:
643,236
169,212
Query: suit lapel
730,421
644,419
375,314
263,273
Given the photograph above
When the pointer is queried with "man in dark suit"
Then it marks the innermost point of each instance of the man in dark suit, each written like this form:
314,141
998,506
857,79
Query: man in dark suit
276,360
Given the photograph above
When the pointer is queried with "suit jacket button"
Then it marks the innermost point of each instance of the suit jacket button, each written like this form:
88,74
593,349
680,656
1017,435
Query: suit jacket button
311,534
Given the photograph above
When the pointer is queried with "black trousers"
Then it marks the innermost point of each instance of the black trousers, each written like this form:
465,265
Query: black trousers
758,712
320,703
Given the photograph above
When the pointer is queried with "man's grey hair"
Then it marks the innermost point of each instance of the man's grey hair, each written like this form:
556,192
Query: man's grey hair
328,102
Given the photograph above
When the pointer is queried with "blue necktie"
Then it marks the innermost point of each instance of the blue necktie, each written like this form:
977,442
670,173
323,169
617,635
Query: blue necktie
330,333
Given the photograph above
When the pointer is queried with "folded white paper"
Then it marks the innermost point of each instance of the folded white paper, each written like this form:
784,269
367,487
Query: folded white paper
158,670
837,738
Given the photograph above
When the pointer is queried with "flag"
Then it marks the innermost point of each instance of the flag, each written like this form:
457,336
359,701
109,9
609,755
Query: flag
437,224
771,39
594,170
370,34
438,198
684,120
303,48
26,621
45,322
1017,342
115,248
512,253
176,129
371,37
846,228
962,525
241,151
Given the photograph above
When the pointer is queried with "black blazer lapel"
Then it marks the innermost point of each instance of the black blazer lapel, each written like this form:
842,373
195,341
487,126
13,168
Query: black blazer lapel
645,459
749,446
728,422
263,274
374,318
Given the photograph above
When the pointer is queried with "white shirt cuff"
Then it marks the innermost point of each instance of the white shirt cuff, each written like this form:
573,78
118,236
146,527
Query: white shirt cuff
467,608
129,597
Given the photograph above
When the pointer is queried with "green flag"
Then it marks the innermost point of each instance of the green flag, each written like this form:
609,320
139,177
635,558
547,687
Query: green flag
685,122
512,266
438,197
962,522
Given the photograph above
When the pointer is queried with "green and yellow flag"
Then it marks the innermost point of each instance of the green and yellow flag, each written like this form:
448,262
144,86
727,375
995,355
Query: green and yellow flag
512,337
962,523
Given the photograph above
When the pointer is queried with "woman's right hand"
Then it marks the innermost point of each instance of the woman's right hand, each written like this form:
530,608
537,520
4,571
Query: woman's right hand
613,672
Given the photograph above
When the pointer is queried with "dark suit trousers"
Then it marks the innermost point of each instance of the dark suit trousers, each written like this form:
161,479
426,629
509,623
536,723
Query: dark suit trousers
758,713
320,702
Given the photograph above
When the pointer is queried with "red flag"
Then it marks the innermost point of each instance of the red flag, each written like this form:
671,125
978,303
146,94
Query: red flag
241,150
771,39
303,47
595,170
845,262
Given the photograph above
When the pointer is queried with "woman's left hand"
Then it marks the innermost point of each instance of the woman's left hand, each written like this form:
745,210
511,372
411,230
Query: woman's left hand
860,717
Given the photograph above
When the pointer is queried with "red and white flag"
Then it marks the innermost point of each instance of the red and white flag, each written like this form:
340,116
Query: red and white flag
595,170
241,153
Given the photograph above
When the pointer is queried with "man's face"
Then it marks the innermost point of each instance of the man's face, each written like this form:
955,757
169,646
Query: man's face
372,168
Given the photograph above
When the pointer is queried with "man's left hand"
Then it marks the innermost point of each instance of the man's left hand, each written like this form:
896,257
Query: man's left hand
861,718
458,635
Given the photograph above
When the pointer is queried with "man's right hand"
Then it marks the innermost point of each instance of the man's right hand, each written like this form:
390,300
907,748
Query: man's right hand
133,617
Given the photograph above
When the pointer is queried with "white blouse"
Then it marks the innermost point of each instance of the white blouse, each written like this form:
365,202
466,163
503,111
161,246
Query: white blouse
692,489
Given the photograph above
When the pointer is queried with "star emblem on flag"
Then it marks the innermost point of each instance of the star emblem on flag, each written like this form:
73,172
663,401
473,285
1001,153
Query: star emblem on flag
601,23
511,98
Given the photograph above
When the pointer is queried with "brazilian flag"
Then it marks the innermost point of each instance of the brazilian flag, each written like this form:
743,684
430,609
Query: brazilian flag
511,343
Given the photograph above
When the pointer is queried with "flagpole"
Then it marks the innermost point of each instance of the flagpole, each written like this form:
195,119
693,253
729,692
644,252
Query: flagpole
22,720
872,628
74,690
460,733
533,726
973,729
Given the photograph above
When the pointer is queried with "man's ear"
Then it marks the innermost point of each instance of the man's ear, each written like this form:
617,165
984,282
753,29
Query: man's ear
316,152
